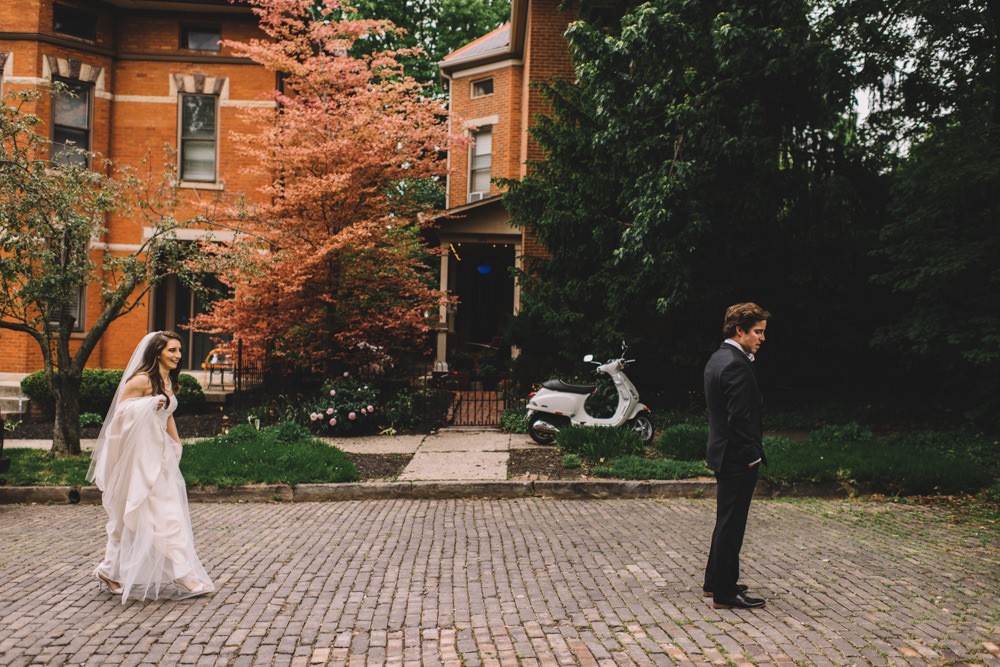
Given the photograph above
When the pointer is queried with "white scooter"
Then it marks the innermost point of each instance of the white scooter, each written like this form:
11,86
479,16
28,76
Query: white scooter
558,404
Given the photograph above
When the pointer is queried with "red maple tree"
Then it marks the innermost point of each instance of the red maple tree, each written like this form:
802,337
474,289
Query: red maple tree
329,267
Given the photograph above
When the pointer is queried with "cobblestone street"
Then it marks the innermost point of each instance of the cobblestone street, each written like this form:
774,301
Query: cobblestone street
513,582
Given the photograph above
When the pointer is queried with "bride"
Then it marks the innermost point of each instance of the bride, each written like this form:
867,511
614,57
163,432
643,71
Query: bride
150,552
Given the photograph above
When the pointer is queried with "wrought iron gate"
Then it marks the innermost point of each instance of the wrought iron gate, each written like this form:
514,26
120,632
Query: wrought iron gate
468,404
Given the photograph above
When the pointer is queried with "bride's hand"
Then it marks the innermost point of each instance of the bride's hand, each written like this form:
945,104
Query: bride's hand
160,402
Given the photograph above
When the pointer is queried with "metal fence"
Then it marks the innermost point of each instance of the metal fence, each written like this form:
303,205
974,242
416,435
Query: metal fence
438,399
250,380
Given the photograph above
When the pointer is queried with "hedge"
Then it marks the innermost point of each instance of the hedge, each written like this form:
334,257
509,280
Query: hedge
97,388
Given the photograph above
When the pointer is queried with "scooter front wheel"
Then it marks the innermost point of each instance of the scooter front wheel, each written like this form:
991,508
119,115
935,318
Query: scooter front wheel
643,426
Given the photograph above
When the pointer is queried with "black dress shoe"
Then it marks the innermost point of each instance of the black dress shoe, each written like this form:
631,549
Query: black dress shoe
740,588
738,601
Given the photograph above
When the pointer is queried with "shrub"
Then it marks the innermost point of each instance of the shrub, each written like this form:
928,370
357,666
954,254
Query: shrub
571,461
284,453
597,443
926,463
91,419
637,467
400,413
683,442
98,387
190,397
841,437
345,406
513,420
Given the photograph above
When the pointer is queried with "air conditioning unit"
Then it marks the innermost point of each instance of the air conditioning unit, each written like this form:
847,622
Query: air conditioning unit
476,196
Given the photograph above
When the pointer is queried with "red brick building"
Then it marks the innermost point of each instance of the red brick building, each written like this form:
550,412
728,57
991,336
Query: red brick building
150,78
490,95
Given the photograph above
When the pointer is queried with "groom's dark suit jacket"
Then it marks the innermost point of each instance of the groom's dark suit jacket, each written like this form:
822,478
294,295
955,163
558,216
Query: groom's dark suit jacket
734,399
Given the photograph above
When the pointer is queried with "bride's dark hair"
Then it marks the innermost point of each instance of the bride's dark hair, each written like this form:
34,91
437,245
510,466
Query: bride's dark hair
151,362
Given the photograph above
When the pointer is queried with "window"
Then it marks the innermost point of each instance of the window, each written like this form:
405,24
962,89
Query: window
200,38
198,138
74,22
74,308
479,164
71,123
482,87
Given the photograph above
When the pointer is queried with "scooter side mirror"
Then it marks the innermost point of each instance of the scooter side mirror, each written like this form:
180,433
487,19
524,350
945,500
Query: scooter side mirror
588,358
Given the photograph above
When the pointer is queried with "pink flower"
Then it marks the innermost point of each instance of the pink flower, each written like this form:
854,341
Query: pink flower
329,411
352,416
313,416
333,392
371,409
333,422
346,374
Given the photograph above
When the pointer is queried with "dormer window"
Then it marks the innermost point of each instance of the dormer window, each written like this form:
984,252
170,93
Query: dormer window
482,88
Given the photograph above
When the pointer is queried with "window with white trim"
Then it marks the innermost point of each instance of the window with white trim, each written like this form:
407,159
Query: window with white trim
480,162
198,137
482,88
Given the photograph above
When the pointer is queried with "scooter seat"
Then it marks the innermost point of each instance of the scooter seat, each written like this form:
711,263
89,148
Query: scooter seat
559,385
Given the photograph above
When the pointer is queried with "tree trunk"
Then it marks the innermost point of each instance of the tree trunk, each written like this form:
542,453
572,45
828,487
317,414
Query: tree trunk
66,434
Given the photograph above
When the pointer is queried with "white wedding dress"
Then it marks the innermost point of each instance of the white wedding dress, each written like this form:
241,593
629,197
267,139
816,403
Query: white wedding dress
150,549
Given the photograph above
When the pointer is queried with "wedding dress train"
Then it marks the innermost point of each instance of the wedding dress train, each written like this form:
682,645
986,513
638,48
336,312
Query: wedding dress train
150,550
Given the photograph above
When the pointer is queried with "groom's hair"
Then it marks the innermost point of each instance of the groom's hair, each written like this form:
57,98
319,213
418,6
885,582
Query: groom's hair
744,316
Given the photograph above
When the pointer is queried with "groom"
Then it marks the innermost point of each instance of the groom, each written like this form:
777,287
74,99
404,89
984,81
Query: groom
735,449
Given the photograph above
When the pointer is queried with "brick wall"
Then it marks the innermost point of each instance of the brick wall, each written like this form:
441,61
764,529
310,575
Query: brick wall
500,104
546,56
135,112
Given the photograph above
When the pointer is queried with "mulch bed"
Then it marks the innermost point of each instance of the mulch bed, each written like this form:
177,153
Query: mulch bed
541,463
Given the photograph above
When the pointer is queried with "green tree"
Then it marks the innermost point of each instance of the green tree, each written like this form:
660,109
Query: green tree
51,215
434,27
929,71
720,170
349,147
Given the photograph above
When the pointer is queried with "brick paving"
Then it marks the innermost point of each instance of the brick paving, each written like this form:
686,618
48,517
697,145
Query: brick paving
527,581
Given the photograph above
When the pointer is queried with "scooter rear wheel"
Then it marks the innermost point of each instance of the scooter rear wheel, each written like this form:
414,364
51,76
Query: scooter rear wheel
540,437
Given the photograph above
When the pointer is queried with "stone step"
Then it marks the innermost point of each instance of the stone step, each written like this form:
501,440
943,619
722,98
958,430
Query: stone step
12,406
10,388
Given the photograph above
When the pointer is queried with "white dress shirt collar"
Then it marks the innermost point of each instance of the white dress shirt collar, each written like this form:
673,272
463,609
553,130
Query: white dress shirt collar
739,347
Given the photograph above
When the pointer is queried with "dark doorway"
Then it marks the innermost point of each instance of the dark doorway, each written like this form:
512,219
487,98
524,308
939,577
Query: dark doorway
174,306
485,290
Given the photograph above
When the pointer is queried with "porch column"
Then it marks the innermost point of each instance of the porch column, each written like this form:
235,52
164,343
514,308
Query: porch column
441,356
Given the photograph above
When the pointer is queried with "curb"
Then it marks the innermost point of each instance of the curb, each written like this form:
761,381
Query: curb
434,490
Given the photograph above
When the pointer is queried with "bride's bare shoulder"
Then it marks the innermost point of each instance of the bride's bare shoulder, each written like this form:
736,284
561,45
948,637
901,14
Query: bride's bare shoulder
137,385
